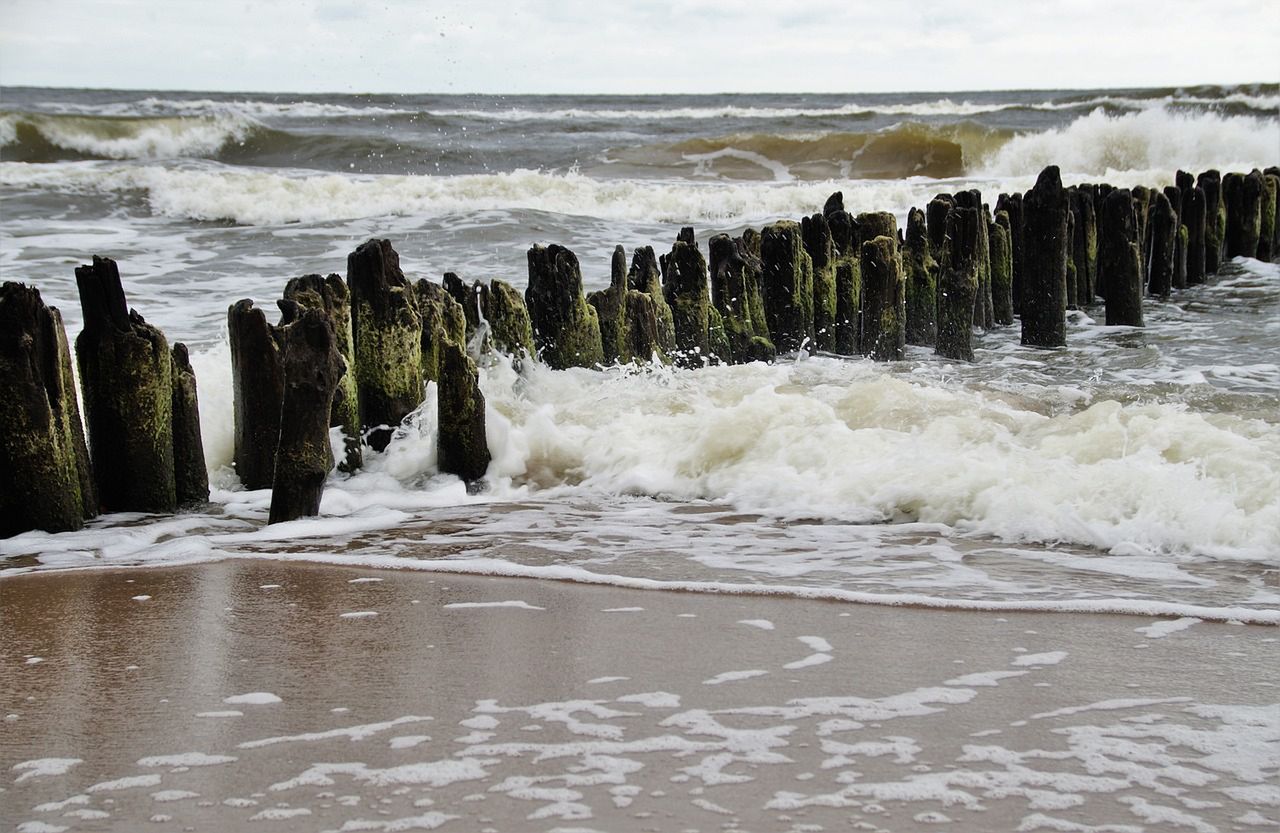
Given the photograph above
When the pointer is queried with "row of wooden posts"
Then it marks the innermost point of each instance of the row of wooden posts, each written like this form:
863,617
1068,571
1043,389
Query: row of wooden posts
356,354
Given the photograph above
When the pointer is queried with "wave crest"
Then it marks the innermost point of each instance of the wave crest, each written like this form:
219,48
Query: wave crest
43,137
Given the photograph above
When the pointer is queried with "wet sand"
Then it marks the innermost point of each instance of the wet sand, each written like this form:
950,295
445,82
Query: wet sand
261,695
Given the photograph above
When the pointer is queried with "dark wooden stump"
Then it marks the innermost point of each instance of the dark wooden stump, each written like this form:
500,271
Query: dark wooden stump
1044,270
611,310
257,383
330,294
387,339
1242,194
646,276
1001,268
735,293
442,321
820,246
787,280
1267,238
508,317
1162,257
461,445
684,284
958,284
126,374
1118,257
1215,220
922,281
47,480
884,301
1193,217
190,475
313,367
1011,204
565,327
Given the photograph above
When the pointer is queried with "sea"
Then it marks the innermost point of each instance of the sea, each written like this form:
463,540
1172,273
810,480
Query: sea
1137,470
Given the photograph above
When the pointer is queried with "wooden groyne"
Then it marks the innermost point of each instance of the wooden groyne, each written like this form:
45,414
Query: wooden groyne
357,353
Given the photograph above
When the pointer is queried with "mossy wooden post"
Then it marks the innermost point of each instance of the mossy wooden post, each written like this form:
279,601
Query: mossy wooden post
735,277
566,330
467,298
684,284
822,254
1267,250
646,276
847,273
1001,268
387,336
1179,279
984,312
257,383
313,366
873,224
191,477
442,321
921,277
1164,246
1085,268
508,317
958,283
1242,194
48,483
1011,204
610,305
936,219
644,334
884,301
1193,217
1215,220
330,294
126,374
1141,196
1045,246
1119,255
462,447
787,280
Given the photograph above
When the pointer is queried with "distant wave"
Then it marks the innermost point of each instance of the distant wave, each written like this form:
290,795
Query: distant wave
41,137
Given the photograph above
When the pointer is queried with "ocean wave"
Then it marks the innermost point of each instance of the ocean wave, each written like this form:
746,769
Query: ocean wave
39,137
155,106
1103,145
256,197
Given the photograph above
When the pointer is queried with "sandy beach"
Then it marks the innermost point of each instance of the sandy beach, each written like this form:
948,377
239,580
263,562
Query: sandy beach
260,695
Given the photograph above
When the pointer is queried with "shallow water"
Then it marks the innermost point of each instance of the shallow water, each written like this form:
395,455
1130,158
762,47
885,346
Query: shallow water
1136,470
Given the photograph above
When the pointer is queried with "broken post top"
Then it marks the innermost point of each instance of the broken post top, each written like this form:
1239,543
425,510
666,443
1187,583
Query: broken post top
102,296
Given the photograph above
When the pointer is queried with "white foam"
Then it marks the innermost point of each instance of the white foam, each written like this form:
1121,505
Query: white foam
43,768
134,138
359,614
515,603
186,759
130,782
762,624
253,698
1161,629
1047,658
352,733
1151,140
734,676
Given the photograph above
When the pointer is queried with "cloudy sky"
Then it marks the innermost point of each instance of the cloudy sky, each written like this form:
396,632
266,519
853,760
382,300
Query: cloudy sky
583,46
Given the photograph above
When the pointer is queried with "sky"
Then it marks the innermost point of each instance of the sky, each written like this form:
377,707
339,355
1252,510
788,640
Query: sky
635,46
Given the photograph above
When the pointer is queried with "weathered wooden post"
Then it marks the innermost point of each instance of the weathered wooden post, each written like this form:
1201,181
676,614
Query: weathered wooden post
787,280
330,294
48,482
1215,220
646,276
126,374
1001,268
848,274
462,444
1011,204
1267,249
735,292
1174,196
442,321
508,317
257,381
1164,242
566,329
984,312
884,300
684,283
821,249
610,305
313,366
958,284
1193,217
1084,245
921,277
1045,244
1242,195
190,475
1118,256
387,338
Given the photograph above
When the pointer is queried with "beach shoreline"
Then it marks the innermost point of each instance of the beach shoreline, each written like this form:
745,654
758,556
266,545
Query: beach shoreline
477,702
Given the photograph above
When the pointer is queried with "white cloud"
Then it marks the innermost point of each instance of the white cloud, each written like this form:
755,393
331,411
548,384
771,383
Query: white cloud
580,46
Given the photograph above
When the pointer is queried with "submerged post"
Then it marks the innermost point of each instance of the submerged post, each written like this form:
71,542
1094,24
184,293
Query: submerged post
566,328
1118,253
191,476
788,286
257,382
884,301
922,281
958,284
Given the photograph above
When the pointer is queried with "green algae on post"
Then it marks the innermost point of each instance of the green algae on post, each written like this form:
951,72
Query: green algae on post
1044,244
958,283
884,301
566,329
787,281
191,476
